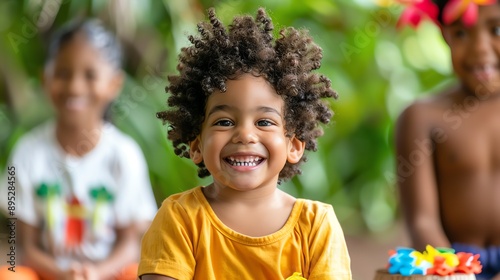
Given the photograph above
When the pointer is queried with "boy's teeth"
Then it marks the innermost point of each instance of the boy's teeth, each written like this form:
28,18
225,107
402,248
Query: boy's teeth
244,161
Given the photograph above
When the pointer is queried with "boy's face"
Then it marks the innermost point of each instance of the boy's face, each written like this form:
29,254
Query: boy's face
80,83
243,142
475,50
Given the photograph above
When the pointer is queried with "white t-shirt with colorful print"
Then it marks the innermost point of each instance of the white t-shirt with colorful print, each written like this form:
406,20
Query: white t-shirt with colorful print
79,202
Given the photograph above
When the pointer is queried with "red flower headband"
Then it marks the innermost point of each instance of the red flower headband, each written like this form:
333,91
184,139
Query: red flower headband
417,10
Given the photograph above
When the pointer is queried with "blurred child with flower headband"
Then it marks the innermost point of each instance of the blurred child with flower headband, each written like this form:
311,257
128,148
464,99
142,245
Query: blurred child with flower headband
448,146
244,108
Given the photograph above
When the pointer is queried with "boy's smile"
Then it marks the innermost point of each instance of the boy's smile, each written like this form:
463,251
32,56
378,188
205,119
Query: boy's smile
244,160
243,142
475,50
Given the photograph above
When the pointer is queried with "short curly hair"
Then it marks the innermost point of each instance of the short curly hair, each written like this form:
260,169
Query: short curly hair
248,46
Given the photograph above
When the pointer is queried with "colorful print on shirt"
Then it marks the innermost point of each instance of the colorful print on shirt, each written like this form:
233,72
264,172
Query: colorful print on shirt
68,219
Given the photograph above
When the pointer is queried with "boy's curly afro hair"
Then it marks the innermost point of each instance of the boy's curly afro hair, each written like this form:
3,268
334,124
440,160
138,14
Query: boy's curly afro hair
248,46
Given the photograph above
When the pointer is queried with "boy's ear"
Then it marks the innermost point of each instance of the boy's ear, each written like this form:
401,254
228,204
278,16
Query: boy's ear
195,151
296,150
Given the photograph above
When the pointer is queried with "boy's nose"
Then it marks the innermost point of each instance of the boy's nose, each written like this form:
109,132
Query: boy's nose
244,134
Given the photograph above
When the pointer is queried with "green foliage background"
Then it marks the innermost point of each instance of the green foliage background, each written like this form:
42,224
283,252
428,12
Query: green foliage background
376,69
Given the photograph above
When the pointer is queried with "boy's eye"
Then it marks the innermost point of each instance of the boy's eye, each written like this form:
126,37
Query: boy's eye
264,123
223,123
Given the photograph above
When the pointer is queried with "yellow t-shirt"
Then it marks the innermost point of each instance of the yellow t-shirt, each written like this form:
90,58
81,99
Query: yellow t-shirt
187,241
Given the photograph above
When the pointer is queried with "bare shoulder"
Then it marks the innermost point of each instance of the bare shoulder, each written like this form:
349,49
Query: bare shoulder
428,112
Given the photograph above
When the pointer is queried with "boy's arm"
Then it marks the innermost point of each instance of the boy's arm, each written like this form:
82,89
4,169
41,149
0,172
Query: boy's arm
416,177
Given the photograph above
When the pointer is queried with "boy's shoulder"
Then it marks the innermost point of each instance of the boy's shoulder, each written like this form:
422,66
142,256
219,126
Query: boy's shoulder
187,199
430,110
437,102
314,205
312,211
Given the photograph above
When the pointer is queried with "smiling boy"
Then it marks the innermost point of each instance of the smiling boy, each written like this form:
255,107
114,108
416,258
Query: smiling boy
244,108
